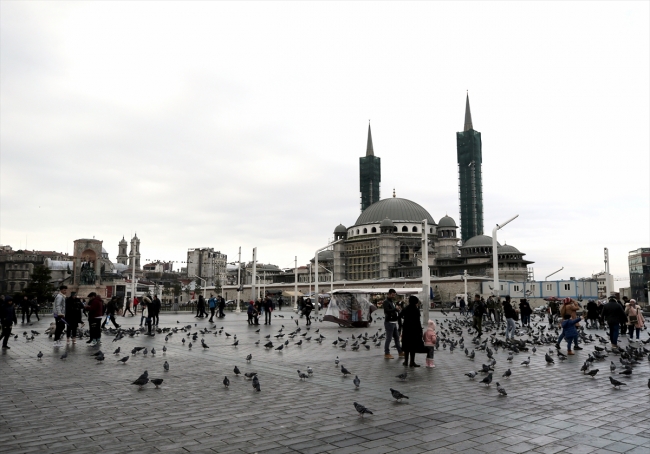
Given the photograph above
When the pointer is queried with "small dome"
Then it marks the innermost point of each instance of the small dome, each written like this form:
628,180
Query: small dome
447,221
340,229
386,223
479,240
507,249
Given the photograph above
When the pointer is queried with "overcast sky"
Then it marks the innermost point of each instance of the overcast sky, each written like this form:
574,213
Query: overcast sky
241,124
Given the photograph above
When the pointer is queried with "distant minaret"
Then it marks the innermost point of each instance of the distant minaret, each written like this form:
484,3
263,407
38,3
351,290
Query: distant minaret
369,175
135,252
470,183
121,256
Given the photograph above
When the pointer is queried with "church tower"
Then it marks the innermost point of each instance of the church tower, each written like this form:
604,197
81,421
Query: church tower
470,183
121,255
369,175
135,252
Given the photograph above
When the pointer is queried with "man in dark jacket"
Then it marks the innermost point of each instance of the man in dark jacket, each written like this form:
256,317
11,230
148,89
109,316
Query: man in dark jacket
156,306
111,310
24,308
525,310
479,312
8,318
222,306
614,315
391,317
95,308
268,308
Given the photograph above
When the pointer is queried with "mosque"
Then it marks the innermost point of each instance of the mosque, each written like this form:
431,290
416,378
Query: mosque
385,241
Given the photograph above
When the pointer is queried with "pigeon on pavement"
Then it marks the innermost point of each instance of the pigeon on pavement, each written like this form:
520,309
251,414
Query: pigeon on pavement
226,382
397,395
362,410
615,382
356,381
123,360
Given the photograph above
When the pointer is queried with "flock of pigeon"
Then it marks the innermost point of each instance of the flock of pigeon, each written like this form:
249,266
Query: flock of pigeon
451,336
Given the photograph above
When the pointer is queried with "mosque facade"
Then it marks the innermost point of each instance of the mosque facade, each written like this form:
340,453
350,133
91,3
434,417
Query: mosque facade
385,242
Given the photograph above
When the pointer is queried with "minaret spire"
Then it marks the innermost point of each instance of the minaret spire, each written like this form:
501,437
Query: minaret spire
468,115
369,150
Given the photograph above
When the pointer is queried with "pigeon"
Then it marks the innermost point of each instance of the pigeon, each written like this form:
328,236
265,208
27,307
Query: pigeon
615,382
183,340
166,366
336,361
164,348
548,359
190,345
592,372
526,362
402,376
249,357
310,371
237,371
153,351
627,372
226,382
510,357
501,390
362,410
157,381
123,360
145,374
280,347
612,366
98,353
234,344
302,375
141,382
256,385
40,354
398,395
487,380
250,375
344,371
64,356
99,359
471,374
117,351
507,374
268,345
356,381
649,383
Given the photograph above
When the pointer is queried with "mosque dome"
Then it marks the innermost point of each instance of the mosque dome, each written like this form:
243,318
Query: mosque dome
340,229
396,210
508,249
479,240
447,221
386,223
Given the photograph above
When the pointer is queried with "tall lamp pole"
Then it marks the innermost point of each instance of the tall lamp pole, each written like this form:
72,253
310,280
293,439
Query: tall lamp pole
466,297
426,276
495,253
237,308
253,296
295,283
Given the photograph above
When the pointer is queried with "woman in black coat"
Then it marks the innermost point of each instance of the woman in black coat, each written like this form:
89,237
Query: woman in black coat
412,342
592,313
72,318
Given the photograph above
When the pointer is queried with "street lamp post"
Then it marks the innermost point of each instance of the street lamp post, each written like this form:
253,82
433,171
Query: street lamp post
331,279
295,283
495,253
237,308
316,275
253,296
465,275
426,276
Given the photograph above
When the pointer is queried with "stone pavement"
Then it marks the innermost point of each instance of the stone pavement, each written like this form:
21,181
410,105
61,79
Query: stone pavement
52,405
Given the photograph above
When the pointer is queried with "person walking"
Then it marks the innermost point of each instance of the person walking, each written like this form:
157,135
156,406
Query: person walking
136,301
24,308
461,305
147,309
250,312
95,307
72,318
33,309
613,313
268,308
479,311
592,314
391,322
155,308
412,341
7,319
111,310
143,308
635,319
222,307
511,315
499,310
127,307
570,307
212,305
492,309
525,310
430,339
280,302
59,314
624,305
308,307
256,312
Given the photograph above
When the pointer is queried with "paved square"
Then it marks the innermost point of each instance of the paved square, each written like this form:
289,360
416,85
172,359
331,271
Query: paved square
53,405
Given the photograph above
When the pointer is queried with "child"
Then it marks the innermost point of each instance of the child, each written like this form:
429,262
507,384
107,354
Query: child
430,339
570,331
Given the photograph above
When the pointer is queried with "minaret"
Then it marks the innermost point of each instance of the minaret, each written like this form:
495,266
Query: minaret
470,183
135,252
369,175
121,255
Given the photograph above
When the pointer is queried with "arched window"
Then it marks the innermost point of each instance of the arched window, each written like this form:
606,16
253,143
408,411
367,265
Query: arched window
405,229
374,230
431,230
365,230
415,229
357,231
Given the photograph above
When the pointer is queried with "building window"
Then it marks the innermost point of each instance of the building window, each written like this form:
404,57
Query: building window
431,230
549,286
365,230
532,287
415,229
374,230
516,288
567,286
405,229
357,231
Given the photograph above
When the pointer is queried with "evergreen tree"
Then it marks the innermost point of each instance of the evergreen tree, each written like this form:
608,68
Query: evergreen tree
40,285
